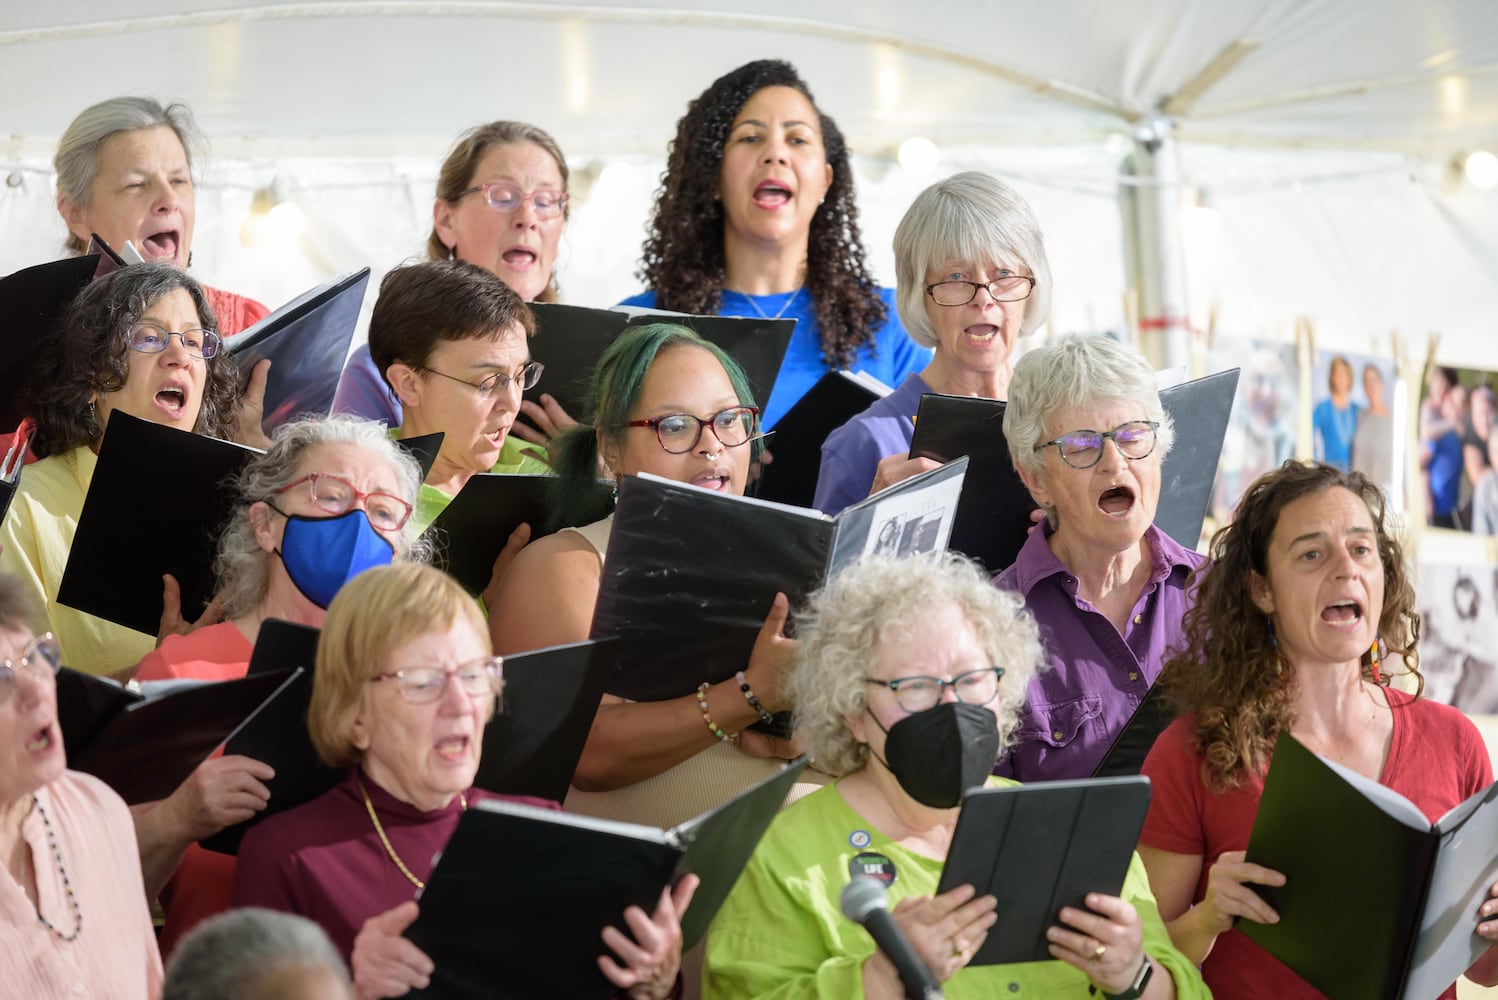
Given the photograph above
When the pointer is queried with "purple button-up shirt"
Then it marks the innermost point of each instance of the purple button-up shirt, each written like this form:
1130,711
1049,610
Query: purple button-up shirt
1097,678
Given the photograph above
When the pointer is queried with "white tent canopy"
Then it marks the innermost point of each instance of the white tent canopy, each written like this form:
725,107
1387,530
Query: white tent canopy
1319,132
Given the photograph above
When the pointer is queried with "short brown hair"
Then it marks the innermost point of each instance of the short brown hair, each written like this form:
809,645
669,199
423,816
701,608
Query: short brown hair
19,609
375,612
1230,672
422,305
456,175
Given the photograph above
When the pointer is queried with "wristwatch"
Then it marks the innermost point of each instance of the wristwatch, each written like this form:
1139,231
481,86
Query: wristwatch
1135,991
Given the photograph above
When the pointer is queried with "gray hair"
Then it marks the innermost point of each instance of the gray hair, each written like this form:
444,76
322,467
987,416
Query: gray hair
77,159
237,955
241,568
1077,371
976,218
844,623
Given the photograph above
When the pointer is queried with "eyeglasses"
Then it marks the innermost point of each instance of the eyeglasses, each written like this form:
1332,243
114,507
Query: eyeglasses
42,659
508,198
527,379
918,694
152,338
1005,288
679,433
1084,449
337,495
423,685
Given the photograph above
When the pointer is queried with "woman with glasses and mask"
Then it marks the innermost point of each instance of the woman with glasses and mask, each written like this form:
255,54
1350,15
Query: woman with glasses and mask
451,340
405,682
898,664
330,499
73,915
1087,434
140,341
973,279
756,216
673,405
501,205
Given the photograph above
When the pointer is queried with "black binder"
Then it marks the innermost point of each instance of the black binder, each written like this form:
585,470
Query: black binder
520,896
114,568
1126,753
472,529
143,745
307,341
33,301
1040,847
690,574
837,398
1378,902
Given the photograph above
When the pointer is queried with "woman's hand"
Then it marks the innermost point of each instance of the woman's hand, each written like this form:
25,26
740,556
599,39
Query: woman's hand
547,414
944,932
653,958
897,468
518,540
1106,944
248,429
221,792
1484,971
1229,897
385,964
172,622
770,660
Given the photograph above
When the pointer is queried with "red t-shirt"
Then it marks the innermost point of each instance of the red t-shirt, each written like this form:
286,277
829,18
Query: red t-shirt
1437,760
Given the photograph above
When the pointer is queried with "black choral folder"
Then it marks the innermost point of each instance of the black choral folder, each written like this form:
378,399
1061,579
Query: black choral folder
550,697
33,302
279,736
994,515
307,341
114,567
690,574
144,744
796,449
520,896
1378,902
1126,753
472,530
1040,847
569,340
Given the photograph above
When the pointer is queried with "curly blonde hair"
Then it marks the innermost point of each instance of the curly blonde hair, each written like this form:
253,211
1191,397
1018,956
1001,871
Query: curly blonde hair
843,625
1230,672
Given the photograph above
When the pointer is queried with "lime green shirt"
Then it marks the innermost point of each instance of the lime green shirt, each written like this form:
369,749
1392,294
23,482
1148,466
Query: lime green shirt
782,934
514,461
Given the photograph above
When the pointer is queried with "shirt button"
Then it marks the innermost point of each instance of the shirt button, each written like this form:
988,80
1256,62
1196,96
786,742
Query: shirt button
1133,676
1139,619
1056,735
1014,987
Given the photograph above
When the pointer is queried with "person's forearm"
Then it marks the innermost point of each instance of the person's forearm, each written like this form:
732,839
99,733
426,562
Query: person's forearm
1191,936
881,980
162,844
1162,985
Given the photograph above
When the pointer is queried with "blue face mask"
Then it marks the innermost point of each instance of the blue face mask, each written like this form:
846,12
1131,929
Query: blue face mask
321,554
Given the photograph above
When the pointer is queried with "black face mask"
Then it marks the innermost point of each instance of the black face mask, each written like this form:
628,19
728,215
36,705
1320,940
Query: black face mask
938,754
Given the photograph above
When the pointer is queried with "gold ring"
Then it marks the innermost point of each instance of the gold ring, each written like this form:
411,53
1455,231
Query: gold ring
1102,950
958,951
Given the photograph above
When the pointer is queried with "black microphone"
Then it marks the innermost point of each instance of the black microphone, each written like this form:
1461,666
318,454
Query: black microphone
865,902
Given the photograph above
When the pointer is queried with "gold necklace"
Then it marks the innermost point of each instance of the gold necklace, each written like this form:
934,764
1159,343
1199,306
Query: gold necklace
375,819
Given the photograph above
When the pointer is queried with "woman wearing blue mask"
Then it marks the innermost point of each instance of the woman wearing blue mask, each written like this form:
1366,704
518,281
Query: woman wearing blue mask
330,499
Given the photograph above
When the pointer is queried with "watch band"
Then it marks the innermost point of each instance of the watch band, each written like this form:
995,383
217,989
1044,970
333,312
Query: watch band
1135,991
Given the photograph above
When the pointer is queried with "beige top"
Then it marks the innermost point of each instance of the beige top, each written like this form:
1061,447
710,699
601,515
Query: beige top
692,787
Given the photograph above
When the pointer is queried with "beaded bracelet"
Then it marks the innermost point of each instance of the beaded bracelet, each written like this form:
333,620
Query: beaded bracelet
712,726
764,716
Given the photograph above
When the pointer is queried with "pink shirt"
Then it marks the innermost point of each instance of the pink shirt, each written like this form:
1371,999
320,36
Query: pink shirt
114,957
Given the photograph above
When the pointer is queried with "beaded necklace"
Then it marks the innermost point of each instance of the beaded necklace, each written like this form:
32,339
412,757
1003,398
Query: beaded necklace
67,883
374,817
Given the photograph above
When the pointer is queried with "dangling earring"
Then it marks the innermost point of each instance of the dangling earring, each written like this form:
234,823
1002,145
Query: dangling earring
1376,653
1274,645
189,258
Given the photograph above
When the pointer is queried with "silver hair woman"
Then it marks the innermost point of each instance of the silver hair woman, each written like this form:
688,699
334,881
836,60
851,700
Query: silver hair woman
256,954
125,171
1088,434
329,499
906,682
973,279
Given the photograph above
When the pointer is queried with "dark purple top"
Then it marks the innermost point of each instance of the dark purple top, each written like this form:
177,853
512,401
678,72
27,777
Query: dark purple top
324,861
1096,678
851,454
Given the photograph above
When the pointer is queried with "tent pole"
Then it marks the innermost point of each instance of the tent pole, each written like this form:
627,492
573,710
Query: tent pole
1164,335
